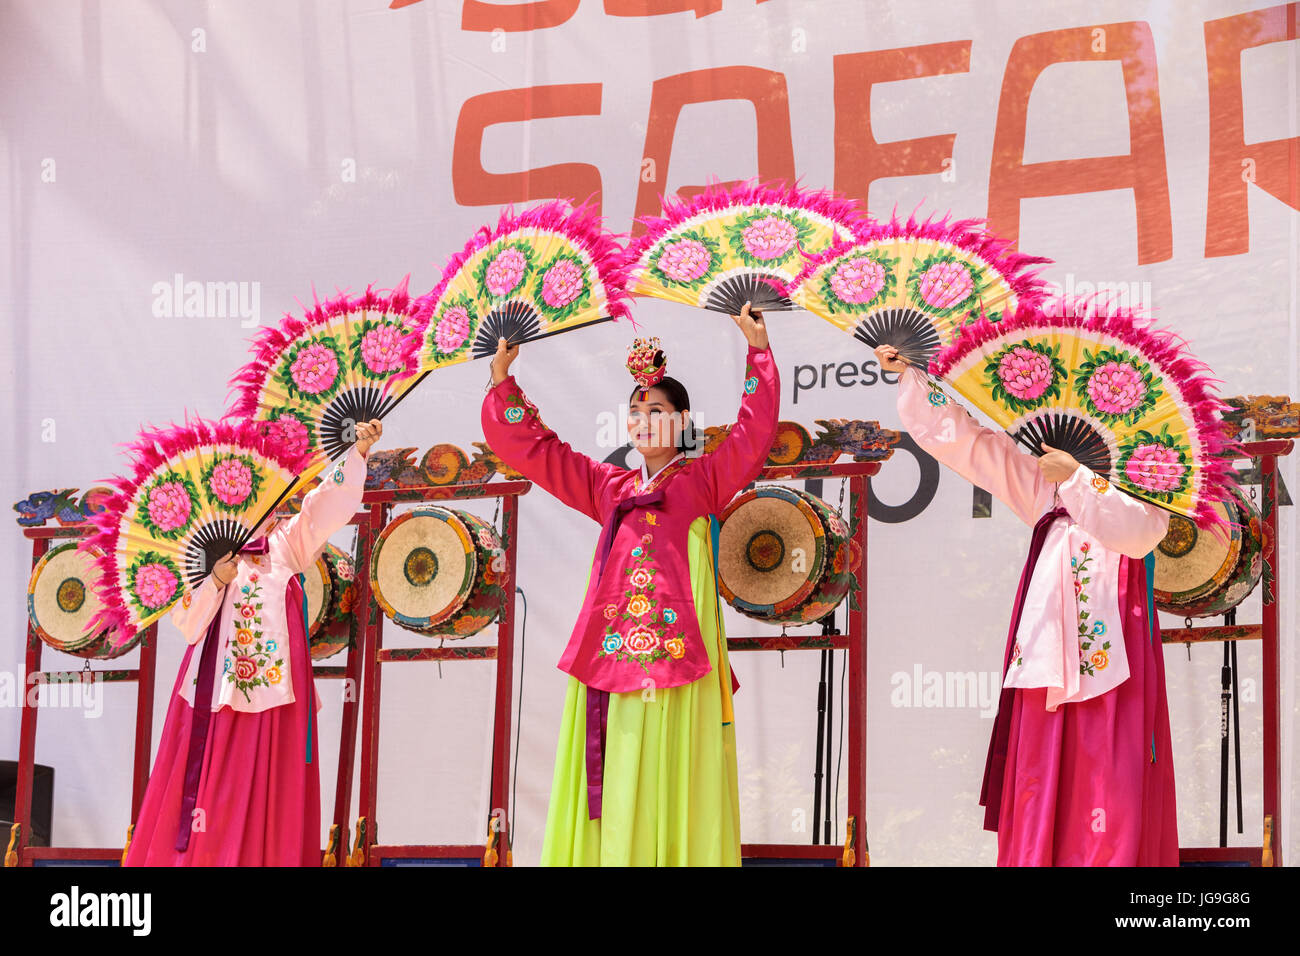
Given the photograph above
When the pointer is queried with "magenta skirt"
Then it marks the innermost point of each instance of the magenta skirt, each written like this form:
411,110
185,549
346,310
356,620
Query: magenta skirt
1092,784
259,796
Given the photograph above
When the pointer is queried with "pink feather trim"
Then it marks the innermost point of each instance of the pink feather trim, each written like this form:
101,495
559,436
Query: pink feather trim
577,223
270,344
840,210
967,234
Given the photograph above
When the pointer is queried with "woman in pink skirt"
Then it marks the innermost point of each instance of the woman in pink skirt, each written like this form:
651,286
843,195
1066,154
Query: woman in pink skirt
1080,770
236,781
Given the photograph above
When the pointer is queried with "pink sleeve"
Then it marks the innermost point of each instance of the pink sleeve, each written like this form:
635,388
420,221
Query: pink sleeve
325,509
741,455
1120,522
985,457
204,602
514,430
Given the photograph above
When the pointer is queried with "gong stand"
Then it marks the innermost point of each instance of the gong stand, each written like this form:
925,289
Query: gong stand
439,478
18,852
1269,853
854,641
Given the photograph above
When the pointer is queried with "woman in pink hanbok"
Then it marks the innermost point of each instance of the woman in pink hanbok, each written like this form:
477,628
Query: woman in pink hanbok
1079,770
236,781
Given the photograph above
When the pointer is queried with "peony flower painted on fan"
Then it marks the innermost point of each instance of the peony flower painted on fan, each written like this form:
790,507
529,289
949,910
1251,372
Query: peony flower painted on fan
562,283
641,640
1116,388
155,585
452,329
1153,466
945,285
231,482
1025,373
314,369
506,271
289,436
170,506
857,281
769,238
381,349
684,260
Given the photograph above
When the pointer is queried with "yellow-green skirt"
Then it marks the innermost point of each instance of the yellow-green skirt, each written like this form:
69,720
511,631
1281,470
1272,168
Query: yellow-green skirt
670,794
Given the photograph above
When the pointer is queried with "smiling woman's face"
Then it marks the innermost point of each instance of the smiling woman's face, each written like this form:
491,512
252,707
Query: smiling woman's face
652,422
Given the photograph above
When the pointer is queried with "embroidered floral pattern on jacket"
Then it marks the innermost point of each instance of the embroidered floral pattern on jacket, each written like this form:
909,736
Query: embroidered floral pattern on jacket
1092,658
637,630
253,665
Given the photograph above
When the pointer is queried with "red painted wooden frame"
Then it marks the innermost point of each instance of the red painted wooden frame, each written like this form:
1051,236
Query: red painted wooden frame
1266,454
368,851
855,640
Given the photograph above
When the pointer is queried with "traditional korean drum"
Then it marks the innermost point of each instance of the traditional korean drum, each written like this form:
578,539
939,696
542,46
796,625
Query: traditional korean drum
438,571
61,601
330,620
784,556
1198,574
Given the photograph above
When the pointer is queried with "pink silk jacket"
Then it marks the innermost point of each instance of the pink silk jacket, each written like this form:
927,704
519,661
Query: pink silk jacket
638,623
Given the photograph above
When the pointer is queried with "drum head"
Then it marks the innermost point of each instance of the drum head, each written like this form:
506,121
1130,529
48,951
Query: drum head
61,598
423,567
771,549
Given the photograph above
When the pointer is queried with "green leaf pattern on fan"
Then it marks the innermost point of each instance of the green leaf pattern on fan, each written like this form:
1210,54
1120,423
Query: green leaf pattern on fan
769,236
503,272
687,259
859,281
168,505
312,370
454,328
1116,386
943,285
231,482
153,581
1025,376
1155,463
561,287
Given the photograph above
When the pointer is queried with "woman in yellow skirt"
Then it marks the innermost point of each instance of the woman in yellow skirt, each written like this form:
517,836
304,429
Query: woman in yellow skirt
645,768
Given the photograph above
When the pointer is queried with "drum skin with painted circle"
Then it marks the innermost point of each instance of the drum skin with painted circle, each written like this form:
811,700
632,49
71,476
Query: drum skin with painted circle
438,571
1198,574
784,556
61,600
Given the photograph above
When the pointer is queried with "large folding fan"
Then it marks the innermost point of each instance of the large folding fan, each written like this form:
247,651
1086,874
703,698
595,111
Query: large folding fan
913,284
196,493
317,376
1129,401
726,247
547,270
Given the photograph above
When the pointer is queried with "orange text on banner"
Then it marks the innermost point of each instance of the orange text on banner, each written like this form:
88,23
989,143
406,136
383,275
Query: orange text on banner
1274,166
765,89
473,185
859,159
1142,169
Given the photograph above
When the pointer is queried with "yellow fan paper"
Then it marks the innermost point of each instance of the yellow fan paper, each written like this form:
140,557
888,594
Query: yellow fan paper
1128,401
913,285
197,493
728,247
551,269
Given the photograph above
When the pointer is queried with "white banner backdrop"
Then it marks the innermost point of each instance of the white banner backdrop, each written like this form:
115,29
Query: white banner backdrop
291,146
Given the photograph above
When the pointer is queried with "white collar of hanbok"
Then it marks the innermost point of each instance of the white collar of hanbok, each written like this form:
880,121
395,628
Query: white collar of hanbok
645,474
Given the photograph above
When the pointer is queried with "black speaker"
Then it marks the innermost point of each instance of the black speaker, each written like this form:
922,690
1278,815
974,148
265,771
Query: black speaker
42,802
